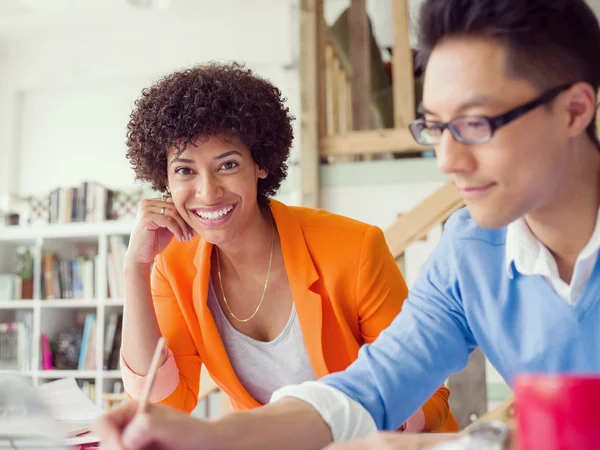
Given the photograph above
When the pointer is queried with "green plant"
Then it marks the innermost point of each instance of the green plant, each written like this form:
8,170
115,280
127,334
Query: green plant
25,263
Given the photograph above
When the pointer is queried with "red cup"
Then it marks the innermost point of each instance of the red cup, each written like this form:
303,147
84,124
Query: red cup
557,412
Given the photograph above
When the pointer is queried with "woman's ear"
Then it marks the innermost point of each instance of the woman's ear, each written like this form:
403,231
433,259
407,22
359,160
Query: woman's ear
261,173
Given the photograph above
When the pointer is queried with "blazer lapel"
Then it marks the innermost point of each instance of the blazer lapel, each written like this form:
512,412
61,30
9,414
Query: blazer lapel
302,275
212,351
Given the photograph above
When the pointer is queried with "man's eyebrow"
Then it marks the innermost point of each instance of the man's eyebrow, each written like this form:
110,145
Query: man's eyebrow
476,100
422,110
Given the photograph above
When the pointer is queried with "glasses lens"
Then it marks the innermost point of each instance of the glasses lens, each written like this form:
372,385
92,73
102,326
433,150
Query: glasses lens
472,130
425,132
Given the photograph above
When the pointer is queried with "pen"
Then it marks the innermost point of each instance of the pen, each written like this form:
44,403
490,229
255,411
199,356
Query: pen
154,364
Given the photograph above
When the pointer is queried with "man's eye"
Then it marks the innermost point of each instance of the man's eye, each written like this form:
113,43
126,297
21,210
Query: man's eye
475,124
183,171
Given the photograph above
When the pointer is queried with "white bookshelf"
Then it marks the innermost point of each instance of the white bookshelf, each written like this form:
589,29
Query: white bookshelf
51,315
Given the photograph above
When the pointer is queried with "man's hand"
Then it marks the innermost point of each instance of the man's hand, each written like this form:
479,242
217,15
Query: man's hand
161,427
394,441
289,423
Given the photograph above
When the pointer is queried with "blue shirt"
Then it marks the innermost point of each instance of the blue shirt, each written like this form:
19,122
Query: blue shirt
464,298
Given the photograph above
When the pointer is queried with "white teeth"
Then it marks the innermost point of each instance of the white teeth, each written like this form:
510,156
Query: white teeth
213,215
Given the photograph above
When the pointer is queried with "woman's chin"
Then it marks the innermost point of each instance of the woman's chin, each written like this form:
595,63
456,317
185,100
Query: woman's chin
217,237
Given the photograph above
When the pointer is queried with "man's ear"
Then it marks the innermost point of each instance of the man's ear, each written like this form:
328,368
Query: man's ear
581,106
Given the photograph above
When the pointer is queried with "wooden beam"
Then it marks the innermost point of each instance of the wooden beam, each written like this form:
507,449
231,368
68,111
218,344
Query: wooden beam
321,68
418,237
330,91
311,17
432,211
402,67
360,60
348,102
370,142
343,96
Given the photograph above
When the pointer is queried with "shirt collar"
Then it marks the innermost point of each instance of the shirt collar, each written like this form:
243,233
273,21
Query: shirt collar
531,257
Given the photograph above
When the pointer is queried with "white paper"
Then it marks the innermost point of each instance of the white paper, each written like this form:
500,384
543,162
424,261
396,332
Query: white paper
70,412
29,426
67,402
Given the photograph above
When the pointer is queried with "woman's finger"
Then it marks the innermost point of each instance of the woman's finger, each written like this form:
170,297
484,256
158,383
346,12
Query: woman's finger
181,228
188,230
158,206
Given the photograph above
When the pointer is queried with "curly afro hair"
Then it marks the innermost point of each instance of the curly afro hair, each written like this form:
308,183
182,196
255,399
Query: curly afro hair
208,100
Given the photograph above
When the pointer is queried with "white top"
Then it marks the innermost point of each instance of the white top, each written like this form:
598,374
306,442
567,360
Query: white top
531,257
285,356
348,419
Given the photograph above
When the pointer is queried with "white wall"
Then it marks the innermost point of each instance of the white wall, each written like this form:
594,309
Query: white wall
65,99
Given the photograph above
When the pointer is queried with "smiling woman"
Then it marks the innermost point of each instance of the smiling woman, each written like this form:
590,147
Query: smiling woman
264,295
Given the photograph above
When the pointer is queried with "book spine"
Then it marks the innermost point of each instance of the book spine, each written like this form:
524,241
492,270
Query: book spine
46,353
85,340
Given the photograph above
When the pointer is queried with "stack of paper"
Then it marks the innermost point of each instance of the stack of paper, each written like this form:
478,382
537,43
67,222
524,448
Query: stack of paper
71,408
68,404
54,415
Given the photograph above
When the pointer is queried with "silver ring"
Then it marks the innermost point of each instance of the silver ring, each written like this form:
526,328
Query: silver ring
162,210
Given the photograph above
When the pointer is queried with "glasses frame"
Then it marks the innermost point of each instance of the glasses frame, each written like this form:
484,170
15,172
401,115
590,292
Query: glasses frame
494,122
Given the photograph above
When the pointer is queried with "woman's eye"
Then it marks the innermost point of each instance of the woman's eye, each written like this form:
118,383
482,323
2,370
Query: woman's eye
229,165
183,171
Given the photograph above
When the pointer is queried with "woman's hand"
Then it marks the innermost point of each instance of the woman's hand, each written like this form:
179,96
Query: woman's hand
157,221
160,428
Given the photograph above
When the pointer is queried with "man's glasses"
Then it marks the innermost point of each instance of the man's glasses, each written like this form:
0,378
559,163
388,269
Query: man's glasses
476,129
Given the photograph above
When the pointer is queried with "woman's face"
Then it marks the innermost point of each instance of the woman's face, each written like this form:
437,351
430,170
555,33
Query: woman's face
213,184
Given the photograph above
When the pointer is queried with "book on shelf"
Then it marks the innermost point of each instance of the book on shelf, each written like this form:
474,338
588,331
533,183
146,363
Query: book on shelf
46,353
15,344
112,342
85,202
115,260
87,353
82,356
89,388
88,202
10,287
68,278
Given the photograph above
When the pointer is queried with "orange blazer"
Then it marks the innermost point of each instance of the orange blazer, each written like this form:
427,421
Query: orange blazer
346,286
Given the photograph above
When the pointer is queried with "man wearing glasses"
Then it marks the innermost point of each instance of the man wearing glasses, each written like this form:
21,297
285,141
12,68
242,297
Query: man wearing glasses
509,105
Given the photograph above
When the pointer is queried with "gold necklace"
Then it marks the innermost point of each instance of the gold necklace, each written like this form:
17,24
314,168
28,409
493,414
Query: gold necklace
266,281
